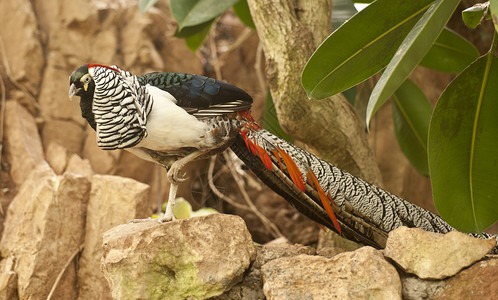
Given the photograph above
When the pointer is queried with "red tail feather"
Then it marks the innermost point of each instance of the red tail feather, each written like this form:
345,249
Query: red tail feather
326,199
293,170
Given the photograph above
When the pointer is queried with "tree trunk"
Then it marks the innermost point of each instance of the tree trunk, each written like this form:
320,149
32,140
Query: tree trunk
289,32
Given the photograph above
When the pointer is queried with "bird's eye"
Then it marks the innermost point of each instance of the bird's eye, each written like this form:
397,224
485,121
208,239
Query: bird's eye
87,79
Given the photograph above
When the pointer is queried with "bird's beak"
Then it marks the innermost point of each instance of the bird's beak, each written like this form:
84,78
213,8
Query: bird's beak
73,90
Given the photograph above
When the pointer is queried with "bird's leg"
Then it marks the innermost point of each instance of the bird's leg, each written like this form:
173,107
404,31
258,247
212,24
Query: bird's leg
174,178
168,215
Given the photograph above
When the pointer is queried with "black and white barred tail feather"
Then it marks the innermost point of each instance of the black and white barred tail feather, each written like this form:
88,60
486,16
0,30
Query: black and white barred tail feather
365,212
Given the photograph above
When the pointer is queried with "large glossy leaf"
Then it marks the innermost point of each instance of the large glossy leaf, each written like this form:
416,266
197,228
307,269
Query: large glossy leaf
241,9
450,53
193,30
194,12
463,143
473,16
493,4
195,40
411,51
360,47
411,115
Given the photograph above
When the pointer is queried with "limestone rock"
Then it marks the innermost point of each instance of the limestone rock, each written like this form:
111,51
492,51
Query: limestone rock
329,239
79,166
62,132
23,145
273,251
8,279
51,210
477,282
22,44
113,200
192,258
57,157
102,161
433,255
360,274
251,288
415,288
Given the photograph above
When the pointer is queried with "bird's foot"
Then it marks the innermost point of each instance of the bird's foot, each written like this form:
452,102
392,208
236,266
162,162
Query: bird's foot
166,219
173,175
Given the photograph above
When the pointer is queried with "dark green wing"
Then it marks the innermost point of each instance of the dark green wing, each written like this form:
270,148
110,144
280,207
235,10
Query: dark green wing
200,95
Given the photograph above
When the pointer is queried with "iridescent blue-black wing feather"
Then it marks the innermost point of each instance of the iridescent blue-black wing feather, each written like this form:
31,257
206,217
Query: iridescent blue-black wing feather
200,95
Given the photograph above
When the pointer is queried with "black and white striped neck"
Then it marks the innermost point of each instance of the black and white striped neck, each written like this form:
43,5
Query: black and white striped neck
120,108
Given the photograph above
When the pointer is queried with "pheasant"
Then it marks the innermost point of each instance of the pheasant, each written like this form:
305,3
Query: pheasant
174,118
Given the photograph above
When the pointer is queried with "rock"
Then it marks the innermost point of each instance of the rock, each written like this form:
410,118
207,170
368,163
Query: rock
54,101
360,274
192,258
22,142
51,210
415,288
433,255
8,279
477,282
273,251
62,132
328,238
21,41
113,200
57,157
251,288
102,161
330,251
79,166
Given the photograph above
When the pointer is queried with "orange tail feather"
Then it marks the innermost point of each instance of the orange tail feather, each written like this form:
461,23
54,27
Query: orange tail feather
326,200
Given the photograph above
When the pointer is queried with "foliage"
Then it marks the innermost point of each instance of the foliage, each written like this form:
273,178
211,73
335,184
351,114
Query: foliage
454,143
457,148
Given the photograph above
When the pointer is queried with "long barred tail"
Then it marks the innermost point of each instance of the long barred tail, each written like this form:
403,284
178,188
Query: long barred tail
328,195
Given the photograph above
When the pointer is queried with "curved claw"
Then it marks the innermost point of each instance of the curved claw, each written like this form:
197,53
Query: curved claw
174,177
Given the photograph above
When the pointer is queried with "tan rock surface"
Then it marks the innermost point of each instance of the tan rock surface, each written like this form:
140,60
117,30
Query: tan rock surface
22,142
433,255
51,210
113,200
193,258
478,282
21,41
360,274
57,157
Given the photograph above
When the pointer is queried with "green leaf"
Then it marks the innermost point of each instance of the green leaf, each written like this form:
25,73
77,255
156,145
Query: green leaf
411,115
193,30
270,121
463,161
473,16
493,4
194,12
361,47
450,53
416,44
241,9
194,41
144,5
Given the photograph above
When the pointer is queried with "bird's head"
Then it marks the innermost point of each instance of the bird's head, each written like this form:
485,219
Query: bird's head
81,83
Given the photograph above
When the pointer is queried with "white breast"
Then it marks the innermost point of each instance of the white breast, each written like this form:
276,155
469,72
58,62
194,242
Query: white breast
170,127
